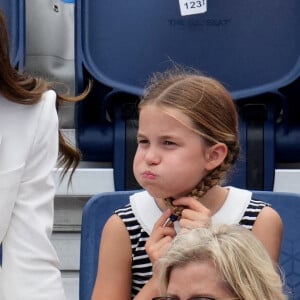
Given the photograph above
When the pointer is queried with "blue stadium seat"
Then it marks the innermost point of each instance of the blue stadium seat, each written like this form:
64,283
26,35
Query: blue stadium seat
15,16
98,209
288,130
288,206
253,48
95,213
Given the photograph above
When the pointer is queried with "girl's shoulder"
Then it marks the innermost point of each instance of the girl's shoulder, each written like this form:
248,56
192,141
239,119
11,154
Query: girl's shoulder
125,209
126,214
239,208
140,213
234,206
253,210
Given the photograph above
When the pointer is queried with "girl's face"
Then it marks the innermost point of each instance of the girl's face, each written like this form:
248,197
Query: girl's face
171,158
197,279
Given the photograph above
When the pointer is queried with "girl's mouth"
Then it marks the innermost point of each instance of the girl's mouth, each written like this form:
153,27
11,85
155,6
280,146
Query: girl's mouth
148,175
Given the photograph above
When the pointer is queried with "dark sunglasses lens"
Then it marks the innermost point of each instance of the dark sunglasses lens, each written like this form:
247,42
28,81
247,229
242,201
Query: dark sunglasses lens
172,298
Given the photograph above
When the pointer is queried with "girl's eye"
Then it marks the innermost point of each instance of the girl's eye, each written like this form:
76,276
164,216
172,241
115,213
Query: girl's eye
169,143
142,141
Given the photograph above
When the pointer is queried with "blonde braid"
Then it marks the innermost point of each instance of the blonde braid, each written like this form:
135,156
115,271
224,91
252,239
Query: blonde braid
210,180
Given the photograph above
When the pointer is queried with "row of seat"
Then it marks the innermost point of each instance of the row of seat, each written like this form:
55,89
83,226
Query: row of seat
15,17
252,48
119,44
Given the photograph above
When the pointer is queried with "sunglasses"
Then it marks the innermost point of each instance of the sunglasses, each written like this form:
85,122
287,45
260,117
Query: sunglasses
194,298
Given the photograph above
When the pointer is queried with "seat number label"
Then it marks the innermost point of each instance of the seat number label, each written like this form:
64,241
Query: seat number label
189,7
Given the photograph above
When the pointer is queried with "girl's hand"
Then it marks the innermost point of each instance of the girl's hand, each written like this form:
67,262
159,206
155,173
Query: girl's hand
160,238
194,215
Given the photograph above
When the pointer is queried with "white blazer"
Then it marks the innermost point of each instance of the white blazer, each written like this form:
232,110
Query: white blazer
28,153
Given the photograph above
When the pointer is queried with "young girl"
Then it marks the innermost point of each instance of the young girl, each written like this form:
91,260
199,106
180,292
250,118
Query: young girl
187,142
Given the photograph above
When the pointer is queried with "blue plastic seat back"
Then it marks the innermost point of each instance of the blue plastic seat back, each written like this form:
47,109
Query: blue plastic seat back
15,17
95,213
288,206
251,47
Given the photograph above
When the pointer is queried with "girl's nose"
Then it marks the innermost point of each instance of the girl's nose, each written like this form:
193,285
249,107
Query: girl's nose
152,156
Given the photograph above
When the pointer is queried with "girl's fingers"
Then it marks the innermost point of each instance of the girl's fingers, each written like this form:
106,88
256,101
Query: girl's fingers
162,219
159,232
188,224
194,215
191,203
193,219
160,238
157,250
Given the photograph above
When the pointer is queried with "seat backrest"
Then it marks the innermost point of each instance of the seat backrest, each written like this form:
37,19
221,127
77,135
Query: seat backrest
95,213
121,43
14,11
288,207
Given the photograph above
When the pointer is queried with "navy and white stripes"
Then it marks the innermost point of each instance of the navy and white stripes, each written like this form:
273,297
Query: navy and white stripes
141,264
251,213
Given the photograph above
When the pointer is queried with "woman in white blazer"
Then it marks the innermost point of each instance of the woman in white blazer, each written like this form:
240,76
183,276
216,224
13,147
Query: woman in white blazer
29,146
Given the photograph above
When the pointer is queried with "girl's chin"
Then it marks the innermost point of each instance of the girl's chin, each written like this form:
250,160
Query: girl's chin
163,195
158,194
155,193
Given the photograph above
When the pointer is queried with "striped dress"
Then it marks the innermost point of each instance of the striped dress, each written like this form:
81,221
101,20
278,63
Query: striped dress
141,265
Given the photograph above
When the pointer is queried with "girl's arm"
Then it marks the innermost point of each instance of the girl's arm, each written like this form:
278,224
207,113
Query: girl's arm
157,244
268,229
113,280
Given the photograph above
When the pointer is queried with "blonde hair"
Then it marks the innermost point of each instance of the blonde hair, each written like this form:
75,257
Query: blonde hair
208,105
240,257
